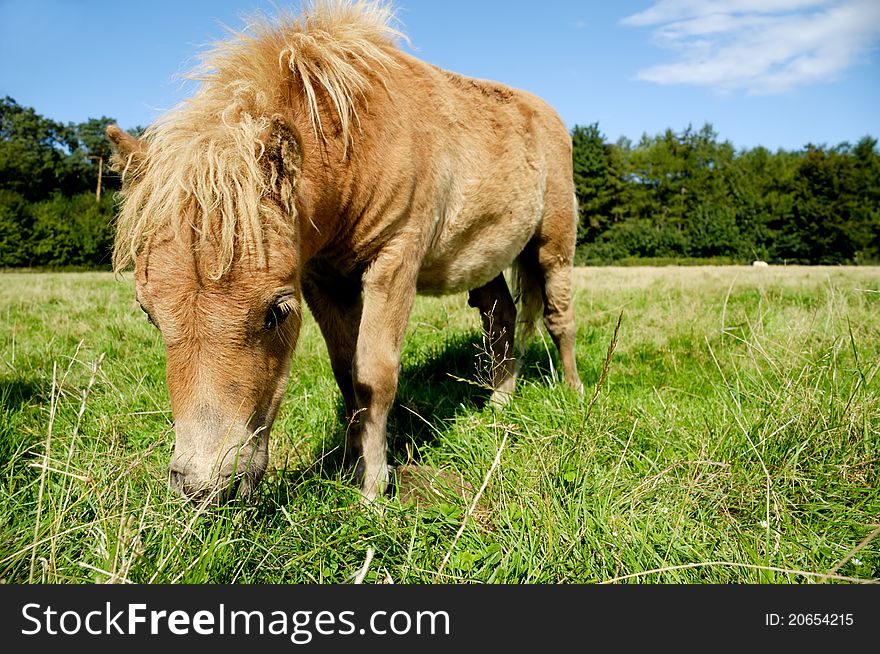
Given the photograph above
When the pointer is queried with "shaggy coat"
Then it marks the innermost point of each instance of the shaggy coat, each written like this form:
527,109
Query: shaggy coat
319,161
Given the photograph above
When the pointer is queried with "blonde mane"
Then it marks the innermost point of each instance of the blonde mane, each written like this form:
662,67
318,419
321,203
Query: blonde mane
204,168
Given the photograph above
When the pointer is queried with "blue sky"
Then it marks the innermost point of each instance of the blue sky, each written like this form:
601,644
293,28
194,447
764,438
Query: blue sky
779,73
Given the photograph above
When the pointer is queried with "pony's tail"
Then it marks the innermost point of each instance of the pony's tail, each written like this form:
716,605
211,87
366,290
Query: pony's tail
529,305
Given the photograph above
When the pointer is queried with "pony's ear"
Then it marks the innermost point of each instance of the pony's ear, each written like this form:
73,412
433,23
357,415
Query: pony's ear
283,151
128,151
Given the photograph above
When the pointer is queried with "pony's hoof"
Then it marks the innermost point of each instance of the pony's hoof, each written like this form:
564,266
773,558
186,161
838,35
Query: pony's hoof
371,492
499,399
501,396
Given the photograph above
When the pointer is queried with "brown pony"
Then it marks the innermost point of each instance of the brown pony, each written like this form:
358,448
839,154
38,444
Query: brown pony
318,160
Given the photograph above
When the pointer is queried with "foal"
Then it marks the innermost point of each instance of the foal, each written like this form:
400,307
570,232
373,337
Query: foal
318,161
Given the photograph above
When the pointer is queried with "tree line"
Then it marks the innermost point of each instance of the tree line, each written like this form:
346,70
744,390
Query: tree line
687,195
671,197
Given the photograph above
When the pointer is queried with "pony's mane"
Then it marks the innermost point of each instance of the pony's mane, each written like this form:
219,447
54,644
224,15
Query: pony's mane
203,167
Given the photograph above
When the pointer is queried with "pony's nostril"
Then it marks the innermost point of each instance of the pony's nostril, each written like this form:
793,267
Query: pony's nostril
178,482
175,478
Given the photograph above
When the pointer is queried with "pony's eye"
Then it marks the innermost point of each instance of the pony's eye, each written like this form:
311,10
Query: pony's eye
276,315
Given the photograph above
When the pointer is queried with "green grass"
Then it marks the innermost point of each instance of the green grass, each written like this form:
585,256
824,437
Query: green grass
735,439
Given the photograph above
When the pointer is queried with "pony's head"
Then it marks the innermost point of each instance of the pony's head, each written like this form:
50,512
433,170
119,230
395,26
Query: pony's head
213,240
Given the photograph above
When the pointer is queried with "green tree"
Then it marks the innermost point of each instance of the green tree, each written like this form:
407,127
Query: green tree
34,153
598,181
72,231
867,201
832,213
15,229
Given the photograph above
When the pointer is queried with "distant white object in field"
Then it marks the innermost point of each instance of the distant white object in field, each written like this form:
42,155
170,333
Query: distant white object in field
760,264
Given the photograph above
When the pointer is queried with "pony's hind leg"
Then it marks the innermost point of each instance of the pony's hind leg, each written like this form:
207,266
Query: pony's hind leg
498,313
549,259
559,321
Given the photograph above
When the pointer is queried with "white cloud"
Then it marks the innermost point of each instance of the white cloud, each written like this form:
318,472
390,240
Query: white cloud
759,46
665,11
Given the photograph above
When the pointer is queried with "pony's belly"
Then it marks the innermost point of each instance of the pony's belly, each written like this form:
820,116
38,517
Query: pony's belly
461,264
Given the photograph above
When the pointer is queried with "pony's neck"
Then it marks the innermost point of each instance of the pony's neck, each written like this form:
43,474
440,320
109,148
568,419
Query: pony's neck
327,188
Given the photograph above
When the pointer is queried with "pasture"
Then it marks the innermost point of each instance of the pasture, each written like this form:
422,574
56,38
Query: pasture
733,436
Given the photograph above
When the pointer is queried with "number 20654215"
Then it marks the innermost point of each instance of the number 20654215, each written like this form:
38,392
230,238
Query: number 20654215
809,619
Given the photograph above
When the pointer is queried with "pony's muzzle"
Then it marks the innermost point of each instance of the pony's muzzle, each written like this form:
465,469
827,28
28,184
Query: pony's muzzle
211,492
219,490
235,476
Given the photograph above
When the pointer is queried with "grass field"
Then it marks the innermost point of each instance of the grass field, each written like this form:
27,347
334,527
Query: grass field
733,437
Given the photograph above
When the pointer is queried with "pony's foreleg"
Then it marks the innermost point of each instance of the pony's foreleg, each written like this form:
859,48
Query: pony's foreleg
498,313
389,288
